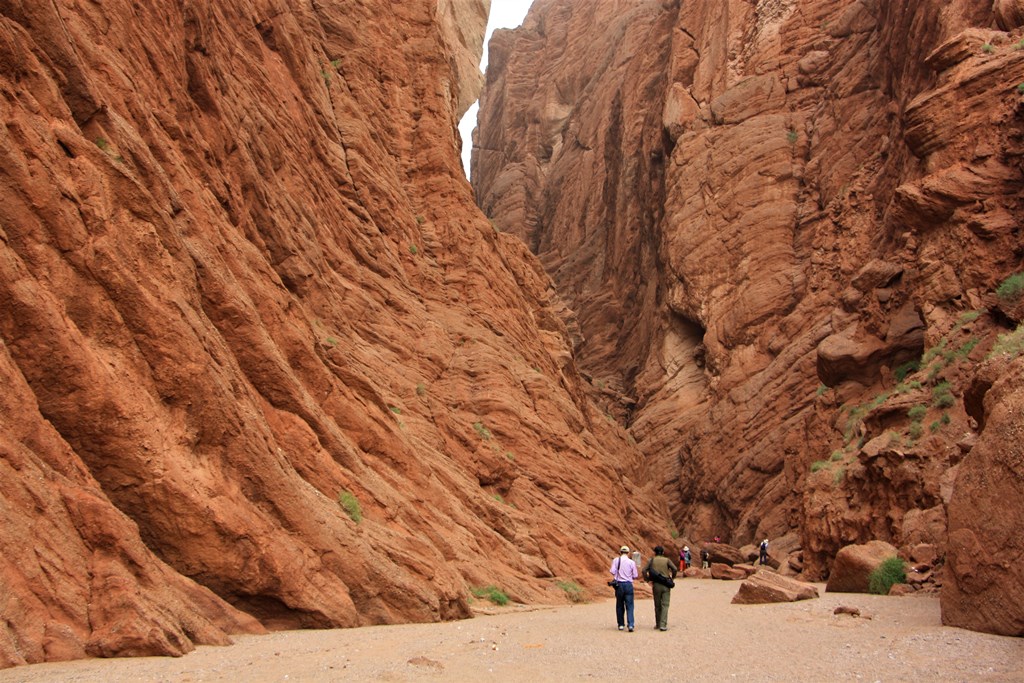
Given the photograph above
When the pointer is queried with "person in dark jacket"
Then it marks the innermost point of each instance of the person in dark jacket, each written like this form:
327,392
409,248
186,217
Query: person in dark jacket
660,566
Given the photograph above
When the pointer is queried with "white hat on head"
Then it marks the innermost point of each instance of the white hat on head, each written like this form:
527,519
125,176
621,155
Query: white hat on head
624,549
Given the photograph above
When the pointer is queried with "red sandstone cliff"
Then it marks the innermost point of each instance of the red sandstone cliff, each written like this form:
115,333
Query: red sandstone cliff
243,282
781,226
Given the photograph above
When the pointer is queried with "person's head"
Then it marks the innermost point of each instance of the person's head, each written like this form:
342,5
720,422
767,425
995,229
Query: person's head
686,548
658,550
624,550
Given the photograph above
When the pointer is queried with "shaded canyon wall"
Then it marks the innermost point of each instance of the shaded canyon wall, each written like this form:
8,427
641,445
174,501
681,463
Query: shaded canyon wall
246,298
782,226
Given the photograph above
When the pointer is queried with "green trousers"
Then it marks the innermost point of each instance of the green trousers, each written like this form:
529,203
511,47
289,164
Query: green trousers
662,595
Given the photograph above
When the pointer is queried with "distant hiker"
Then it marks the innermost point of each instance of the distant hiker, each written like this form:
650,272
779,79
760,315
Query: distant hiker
623,573
686,558
763,549
718,539
657,571
705,558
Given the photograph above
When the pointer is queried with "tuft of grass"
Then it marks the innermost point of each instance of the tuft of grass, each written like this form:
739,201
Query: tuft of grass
510,455
1011,288
1020,87
988,48
821,390
421,389
837,478
331,341
819,465
498,497
413,249
672,532
103,144
917,413
350,504
483,431
910,367
326,75
1009,344
420,219
916,430
837,456
335,63
572,590
492,593
887,574
395,409
968,317
791,136
942,396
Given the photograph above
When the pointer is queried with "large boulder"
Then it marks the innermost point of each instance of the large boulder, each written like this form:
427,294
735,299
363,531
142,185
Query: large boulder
766,586
724,553
853,566
726,572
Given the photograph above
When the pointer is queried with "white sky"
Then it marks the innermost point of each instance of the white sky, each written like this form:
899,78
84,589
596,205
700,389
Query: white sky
504,14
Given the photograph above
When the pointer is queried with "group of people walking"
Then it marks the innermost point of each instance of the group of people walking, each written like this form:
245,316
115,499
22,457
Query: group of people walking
660,571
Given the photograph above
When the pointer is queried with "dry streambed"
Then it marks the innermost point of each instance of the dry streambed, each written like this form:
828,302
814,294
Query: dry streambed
895,639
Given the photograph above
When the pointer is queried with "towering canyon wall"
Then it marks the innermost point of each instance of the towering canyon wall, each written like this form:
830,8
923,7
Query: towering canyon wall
246,299
782,225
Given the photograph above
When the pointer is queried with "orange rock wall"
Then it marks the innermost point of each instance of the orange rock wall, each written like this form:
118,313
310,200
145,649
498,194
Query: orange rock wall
761,213
241,274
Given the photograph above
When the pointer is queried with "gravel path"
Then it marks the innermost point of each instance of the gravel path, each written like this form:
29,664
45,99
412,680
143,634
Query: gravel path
709,639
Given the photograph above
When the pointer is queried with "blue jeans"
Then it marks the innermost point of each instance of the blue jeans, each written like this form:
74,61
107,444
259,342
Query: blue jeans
624,603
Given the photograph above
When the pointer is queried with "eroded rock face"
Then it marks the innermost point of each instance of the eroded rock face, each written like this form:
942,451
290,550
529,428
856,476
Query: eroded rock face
241,274
984,586
851,572
764,217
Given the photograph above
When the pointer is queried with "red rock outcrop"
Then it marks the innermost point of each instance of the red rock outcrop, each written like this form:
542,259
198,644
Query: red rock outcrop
245,299
851,572
781,226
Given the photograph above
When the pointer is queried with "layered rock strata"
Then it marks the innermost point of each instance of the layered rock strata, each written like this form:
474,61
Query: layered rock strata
781,225
265,363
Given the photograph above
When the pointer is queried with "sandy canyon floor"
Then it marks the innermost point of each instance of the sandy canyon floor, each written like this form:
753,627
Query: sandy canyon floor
709,639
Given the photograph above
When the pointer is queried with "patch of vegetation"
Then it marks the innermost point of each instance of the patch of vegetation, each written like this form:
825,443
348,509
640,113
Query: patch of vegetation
964,351
492,593
1018,46
1009,344
837,456
331,341
988,48
420,219
103,144
497,497
1020,87
510,455
483,431
968,317
413,249
395,409
350,504
421,389
335,63
933,352
910,367
326,75
819,465
1011,288
837,478
887,574
821,390
791,136
672,532
942,396
572,590
916,430
917,413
